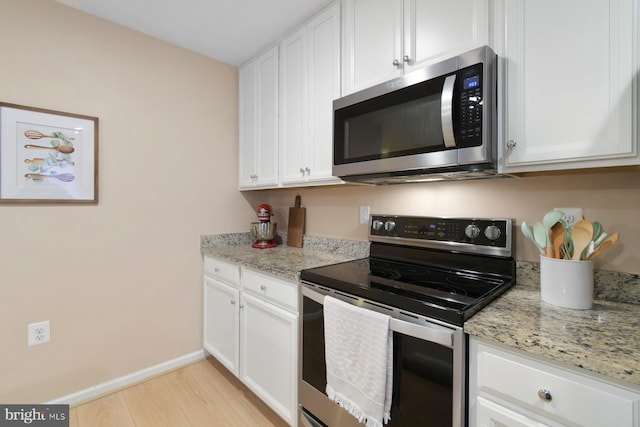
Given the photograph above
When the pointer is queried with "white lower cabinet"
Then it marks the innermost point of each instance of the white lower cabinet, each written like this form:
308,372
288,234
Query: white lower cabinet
268,345
251,327
221,322
510,388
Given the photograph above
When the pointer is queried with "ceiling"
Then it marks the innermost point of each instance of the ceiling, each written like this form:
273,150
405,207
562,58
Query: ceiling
231,31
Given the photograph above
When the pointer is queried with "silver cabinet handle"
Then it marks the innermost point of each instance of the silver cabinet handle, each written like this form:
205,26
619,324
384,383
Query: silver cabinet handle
302,171
233,302
397,63
263,288
407,59
446,111
307,170
241,306
544,394
512,143
216,269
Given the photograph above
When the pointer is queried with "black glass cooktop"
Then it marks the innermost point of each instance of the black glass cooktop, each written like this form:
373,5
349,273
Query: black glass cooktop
448,287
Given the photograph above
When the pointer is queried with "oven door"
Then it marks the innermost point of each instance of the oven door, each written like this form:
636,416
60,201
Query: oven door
429,368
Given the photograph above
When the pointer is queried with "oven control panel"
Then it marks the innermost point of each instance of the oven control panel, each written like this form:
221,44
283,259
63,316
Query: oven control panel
472,234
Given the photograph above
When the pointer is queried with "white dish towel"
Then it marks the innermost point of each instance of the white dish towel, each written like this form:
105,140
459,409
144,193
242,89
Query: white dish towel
359,359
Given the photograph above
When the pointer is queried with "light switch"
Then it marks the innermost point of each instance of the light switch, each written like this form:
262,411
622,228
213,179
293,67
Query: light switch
365,211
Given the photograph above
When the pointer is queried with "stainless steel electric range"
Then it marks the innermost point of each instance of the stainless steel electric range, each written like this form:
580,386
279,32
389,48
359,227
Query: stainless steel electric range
430,275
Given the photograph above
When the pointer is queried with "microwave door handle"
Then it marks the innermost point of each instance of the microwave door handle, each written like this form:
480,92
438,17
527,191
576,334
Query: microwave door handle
446,111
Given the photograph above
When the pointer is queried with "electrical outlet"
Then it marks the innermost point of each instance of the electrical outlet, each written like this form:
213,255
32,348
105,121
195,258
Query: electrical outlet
365,211
38,333
571,215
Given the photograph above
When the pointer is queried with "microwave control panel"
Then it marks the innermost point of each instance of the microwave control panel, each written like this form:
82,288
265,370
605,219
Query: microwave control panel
469,81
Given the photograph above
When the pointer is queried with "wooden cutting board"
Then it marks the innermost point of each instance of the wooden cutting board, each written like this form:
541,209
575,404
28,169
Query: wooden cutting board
295,226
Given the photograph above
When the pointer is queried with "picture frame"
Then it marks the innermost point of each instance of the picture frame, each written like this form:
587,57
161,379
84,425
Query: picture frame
47,156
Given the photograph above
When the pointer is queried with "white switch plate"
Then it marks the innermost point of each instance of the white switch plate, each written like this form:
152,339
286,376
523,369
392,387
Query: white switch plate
38,333
365,211
571,215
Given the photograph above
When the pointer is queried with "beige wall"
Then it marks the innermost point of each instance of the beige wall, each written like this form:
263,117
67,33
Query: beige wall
611,198
121,280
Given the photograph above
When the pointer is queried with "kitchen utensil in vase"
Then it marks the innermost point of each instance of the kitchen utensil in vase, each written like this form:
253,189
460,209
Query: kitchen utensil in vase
606,244
581,235
541,236
526,231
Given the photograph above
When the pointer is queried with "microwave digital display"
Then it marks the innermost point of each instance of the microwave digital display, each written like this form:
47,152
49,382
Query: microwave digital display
471,82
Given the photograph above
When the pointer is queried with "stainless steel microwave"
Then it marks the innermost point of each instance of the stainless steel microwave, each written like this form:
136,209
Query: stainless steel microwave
432,124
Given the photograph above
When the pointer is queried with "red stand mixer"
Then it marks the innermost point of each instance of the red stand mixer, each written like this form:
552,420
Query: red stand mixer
264,231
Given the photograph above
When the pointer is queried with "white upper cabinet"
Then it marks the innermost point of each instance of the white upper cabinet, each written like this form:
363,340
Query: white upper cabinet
258,98
385,38
570,83
309,82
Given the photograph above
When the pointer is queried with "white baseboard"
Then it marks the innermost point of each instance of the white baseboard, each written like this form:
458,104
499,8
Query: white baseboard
127,380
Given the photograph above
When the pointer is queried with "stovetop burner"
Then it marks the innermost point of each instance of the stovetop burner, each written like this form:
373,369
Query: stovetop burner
440,273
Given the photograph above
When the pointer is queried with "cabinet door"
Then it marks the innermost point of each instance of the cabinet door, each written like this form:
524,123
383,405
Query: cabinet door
269,347
372,42
324,87
293,107
435,30
310,81
570,68
221,327
248,118
258,111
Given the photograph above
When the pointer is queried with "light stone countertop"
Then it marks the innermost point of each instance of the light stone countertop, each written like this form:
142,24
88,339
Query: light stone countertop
604,340
282,261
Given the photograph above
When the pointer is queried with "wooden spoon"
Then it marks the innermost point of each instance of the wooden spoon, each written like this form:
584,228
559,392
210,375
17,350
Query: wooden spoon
64,177
40,161
65,149
604,246
557,239
581,238
34,134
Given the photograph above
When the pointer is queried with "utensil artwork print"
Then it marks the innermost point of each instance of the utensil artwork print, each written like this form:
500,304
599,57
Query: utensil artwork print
64,177
65,149
55,157
554,238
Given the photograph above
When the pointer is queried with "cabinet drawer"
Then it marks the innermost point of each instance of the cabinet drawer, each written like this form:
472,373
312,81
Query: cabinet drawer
222,270
574,398
280,292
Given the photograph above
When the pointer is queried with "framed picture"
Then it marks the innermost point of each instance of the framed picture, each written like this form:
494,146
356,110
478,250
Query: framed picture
47,156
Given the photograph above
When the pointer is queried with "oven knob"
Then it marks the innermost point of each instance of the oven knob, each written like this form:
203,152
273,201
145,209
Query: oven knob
492,232
376,225
472,231
389,225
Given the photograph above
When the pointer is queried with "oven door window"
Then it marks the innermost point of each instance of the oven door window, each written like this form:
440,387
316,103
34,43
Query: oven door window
422,377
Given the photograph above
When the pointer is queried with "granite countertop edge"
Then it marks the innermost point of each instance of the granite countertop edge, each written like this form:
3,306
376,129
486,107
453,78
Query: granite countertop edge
604,340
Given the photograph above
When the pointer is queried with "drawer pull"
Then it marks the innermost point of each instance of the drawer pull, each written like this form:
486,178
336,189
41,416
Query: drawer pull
233,302
544,394
217,270
263,288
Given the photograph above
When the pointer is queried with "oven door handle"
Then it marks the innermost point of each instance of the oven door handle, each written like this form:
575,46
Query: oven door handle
432,333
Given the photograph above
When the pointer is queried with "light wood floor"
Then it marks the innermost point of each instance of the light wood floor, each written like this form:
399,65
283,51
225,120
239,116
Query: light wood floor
203,394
